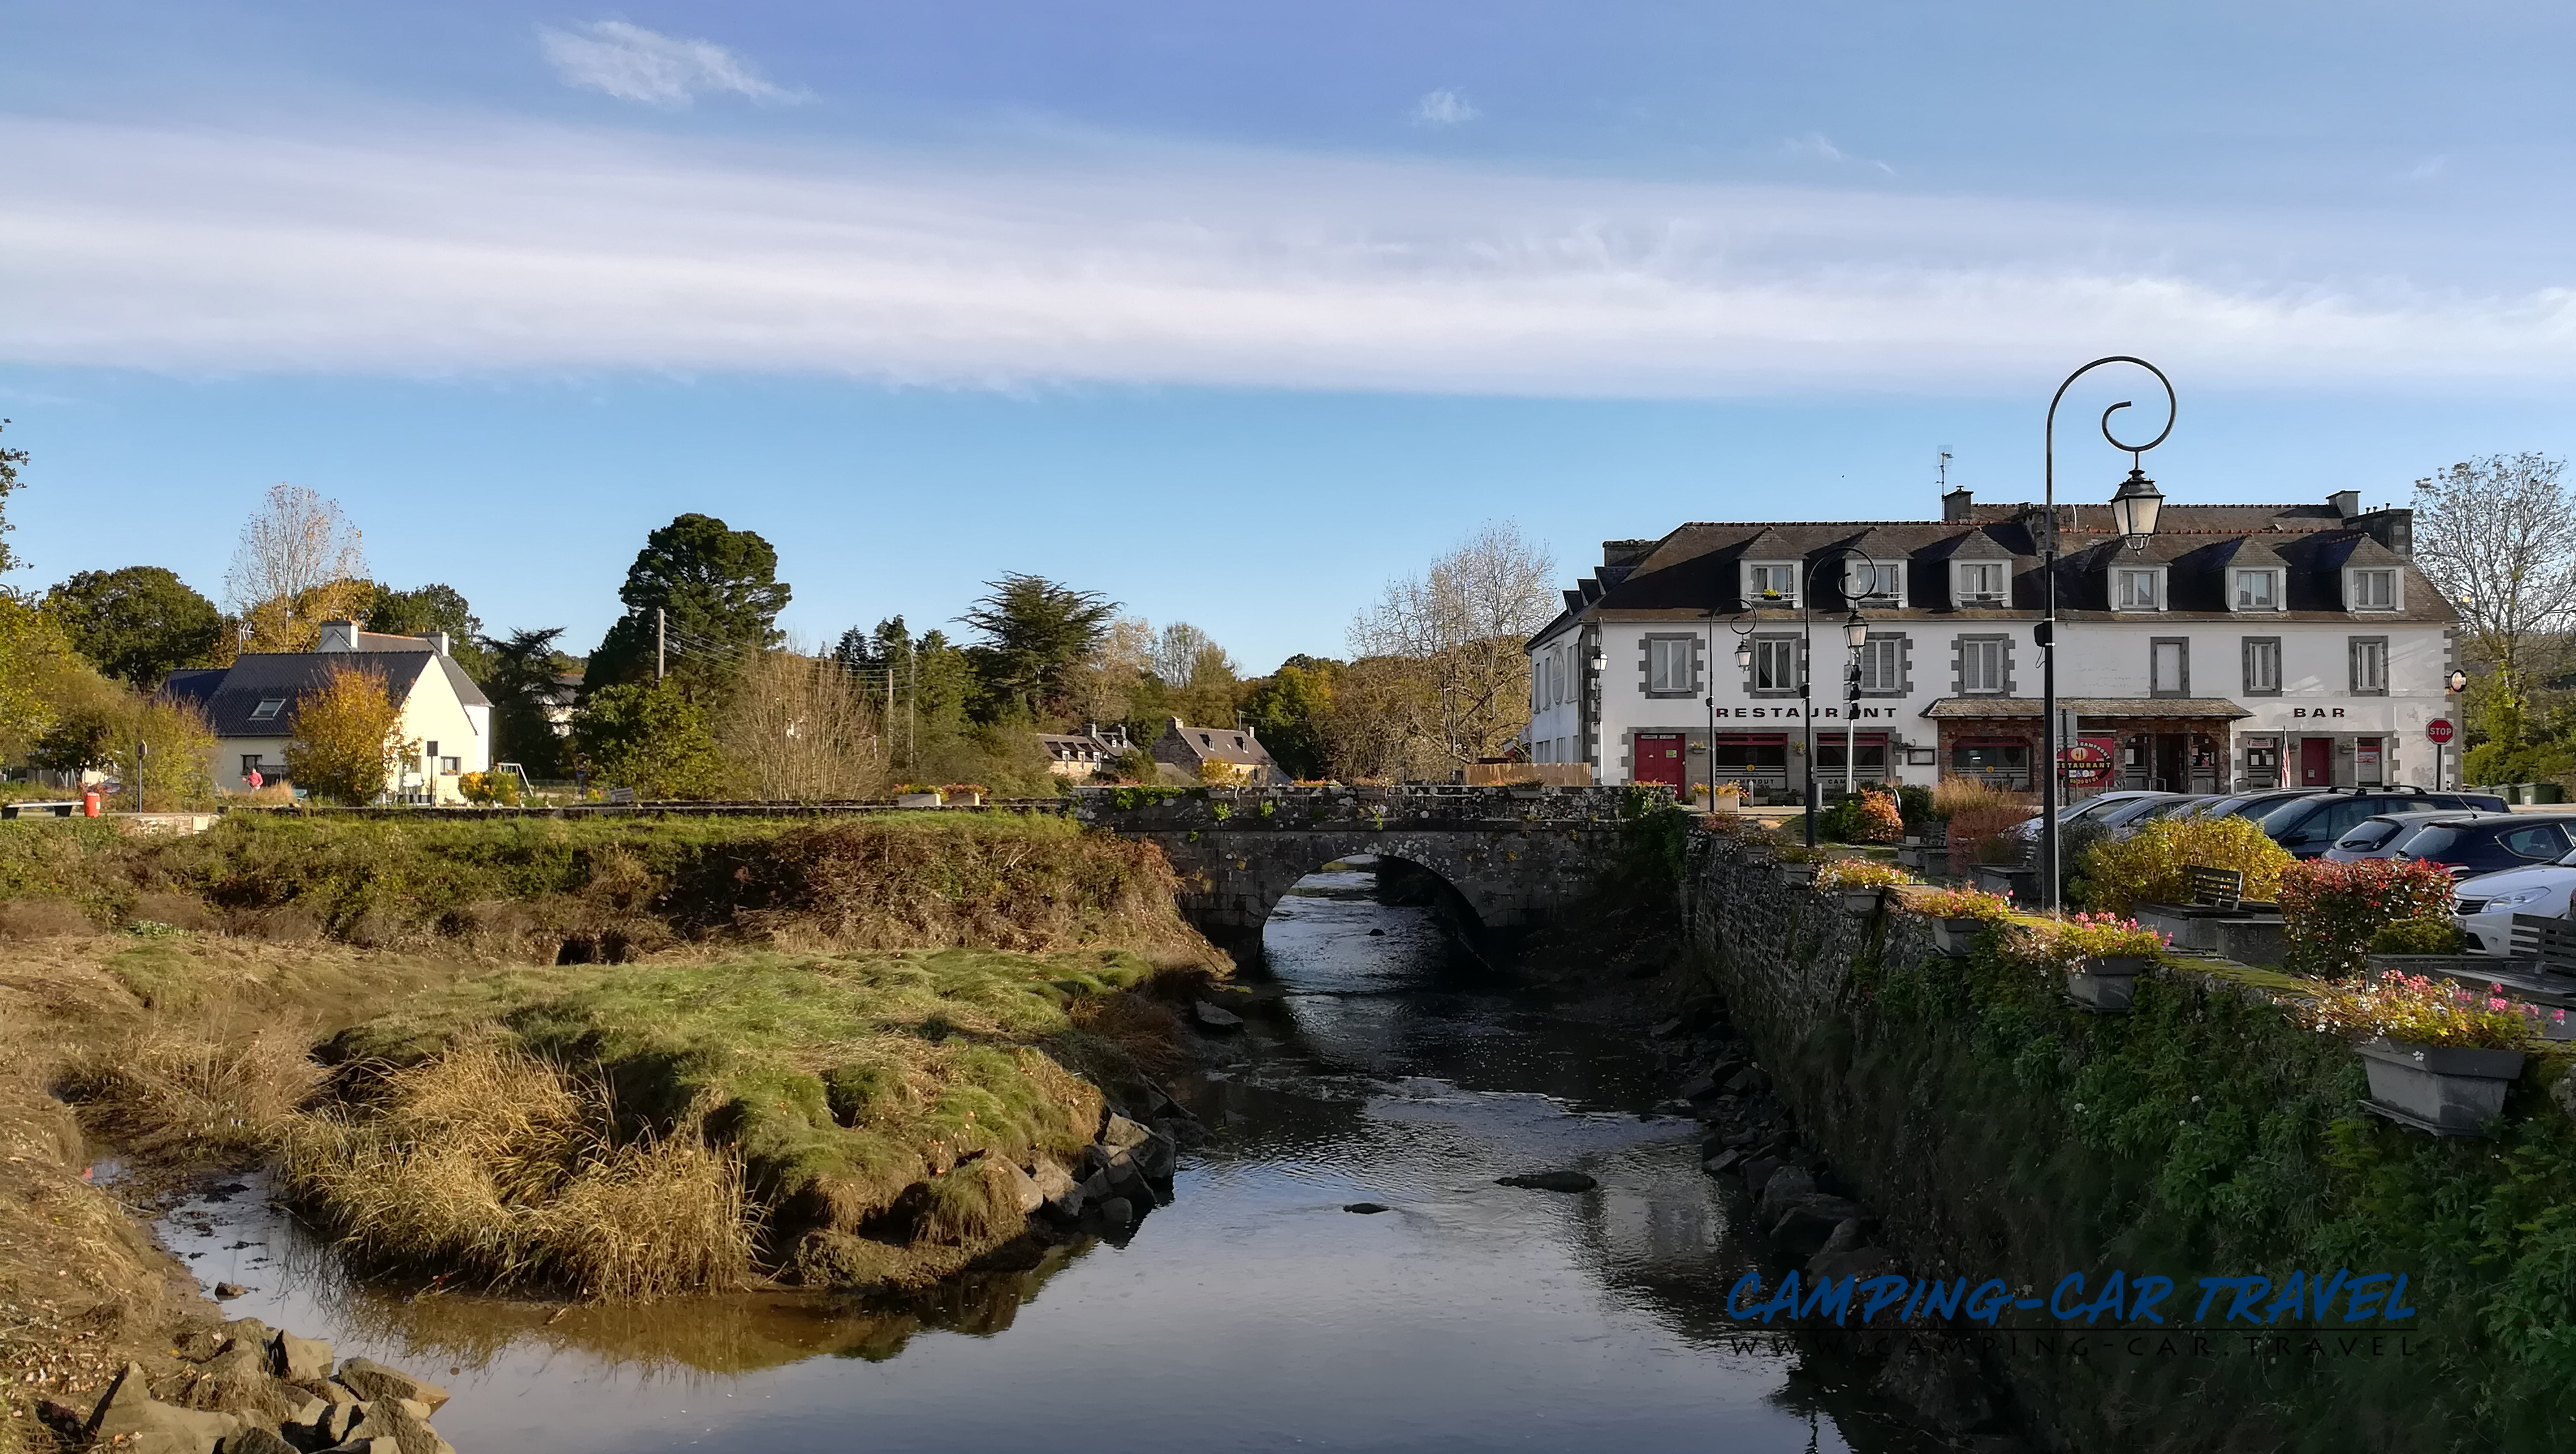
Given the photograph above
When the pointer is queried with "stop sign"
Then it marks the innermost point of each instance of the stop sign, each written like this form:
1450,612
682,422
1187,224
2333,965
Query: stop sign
2439,729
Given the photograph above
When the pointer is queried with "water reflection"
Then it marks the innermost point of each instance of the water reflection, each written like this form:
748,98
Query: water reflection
1253,1313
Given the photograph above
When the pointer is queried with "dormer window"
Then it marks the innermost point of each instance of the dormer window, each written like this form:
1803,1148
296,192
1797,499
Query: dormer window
1884,584
2136,588
2256,590
268,709
2370,589
1771,583
1977,582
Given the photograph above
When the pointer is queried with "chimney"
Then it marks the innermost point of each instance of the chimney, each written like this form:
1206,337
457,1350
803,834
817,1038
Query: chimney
338,636
2347,503
2394,528
438,642
1954,506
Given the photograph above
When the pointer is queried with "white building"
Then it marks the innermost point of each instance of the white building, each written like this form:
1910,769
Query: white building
2245,645
251,704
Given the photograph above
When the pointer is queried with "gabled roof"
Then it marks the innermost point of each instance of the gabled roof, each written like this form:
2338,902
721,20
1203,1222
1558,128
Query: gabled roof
231,697
1214,744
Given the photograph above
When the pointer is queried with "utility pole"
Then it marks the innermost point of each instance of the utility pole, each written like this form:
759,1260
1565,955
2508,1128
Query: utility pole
658,645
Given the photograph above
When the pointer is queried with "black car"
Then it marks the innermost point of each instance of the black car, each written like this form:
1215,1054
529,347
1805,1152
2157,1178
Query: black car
2487,845
2253,804
2310,825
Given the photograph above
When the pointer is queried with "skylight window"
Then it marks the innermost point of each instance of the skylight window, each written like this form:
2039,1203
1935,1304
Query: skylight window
268,709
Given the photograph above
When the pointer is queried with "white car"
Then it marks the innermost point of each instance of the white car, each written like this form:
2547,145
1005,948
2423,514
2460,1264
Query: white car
2486,904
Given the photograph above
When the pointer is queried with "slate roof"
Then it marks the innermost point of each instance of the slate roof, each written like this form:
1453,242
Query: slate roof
1697,568
230,696
1212,744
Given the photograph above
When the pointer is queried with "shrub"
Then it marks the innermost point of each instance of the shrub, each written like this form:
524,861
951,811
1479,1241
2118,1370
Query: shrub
1958,795
1963,904
2332,911
2422,1010
2418,936
1914,803
1859,873
2153,864
1880,819
348,735
1982,835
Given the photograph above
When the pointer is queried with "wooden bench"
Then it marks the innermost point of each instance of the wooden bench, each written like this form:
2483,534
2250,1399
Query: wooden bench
2215,888
2545,941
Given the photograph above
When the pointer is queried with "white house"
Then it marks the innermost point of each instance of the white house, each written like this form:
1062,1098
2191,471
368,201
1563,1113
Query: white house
2245,645
251,705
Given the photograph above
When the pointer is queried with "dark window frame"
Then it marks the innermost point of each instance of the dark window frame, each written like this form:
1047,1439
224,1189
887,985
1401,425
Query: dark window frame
2246,663
2181,688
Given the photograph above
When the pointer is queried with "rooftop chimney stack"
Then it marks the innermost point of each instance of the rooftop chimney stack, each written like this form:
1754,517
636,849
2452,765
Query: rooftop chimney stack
338,636
2347,503
1954,505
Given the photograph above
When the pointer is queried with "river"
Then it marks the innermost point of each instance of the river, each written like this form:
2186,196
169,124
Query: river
1253,1313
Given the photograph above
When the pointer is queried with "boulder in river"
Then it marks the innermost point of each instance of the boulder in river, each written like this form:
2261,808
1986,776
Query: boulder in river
371,1380
1365,1209
290,1357
130,1418
1216,1017
1549,1181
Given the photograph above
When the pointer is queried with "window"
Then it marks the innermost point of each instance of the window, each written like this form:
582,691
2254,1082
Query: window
1981,580
2371,590
2138,590
268,709
1767,582
2262,666
1672,666
1984,666
2169,667
2370,666
1775,663
451,765
250,763
2541,842
2258,590
1882,666
1875,581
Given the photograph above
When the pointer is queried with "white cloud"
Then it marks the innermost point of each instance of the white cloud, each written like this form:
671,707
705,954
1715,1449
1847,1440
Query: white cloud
1816,146
530,249
635,64
1443,107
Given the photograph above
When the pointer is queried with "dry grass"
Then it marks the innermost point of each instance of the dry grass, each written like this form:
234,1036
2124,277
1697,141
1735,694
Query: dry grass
168,1086
43,918
1956,795
495,1166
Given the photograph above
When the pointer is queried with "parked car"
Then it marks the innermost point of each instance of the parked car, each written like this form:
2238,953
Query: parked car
2308,826
2486,904
2131,820
2494,842
2386,835
2093,810
2252,804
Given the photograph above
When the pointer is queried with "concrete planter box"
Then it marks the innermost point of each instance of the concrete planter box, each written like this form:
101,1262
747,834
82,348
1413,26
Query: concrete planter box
1863,902
961,800
916,800
1955,937
2447,1090
1997,878
2106,986
1796,875
2253,941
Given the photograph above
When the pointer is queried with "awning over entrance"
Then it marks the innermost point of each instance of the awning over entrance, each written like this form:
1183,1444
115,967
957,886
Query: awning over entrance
1993,709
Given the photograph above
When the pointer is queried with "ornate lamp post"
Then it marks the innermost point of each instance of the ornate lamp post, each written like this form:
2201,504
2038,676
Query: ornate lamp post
2134,507
1855,633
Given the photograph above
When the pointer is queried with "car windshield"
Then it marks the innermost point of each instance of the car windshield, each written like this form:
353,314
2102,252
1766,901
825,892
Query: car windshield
2371,834
2283,815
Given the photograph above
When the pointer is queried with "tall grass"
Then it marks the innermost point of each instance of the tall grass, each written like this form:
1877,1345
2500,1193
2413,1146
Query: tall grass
169,1085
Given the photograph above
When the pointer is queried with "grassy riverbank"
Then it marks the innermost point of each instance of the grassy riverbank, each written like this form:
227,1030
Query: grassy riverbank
831,1051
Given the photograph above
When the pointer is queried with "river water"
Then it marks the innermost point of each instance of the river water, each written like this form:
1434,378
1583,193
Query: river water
1253,1313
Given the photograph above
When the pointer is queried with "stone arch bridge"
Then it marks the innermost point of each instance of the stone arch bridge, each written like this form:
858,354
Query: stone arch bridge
1516,855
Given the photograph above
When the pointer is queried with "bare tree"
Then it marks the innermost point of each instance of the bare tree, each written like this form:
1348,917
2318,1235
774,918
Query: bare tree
802,729
1182,652
1461,630
299,563
2497,536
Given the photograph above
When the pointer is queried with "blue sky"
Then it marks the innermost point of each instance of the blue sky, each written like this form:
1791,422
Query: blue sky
1235,311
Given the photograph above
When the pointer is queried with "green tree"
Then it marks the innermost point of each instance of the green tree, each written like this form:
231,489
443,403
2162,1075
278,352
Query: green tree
720,594
10,460
652,738
1037,634
137,624
1289,709
521,684
348,735
80,739
428,609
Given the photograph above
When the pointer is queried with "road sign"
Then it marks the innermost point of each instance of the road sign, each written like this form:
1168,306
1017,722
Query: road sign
2439,729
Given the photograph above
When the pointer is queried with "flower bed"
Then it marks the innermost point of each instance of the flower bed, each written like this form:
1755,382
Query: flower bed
2332,911
1859,873
2422,1010
1976,904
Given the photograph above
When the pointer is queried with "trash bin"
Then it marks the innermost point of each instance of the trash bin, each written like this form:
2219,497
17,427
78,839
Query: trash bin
2547,793
2521,794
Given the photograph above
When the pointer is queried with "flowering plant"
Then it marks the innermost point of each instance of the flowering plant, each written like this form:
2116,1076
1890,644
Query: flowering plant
2331,911
2066,943
2422,1010
1964,904
1859,873
1880,819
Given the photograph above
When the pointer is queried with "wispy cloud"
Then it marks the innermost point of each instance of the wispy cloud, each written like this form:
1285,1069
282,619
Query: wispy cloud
635,64
1816,146
1443,107
519,248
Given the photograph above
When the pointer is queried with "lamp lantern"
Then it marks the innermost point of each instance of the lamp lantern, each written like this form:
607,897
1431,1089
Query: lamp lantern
2134,507
1855,630
1744,655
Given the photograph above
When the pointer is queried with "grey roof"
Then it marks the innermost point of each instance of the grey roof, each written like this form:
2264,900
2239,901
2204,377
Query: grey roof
1213,744
230,695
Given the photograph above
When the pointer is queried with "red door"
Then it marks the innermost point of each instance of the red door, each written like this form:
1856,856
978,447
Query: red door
1660,760
2316,762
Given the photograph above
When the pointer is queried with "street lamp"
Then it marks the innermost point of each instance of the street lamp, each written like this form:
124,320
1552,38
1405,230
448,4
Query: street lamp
1855,632
2134,507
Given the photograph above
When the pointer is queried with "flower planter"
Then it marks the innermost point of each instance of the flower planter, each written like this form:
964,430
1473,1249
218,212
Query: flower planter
1863,902
961,800
1956,937
916,800
2447,1090
2105,985
1797,875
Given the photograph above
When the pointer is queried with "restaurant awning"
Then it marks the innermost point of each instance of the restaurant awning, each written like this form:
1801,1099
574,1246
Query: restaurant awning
1991,709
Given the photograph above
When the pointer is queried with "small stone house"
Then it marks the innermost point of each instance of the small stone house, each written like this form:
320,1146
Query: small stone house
1189,749
1078,756
251,706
